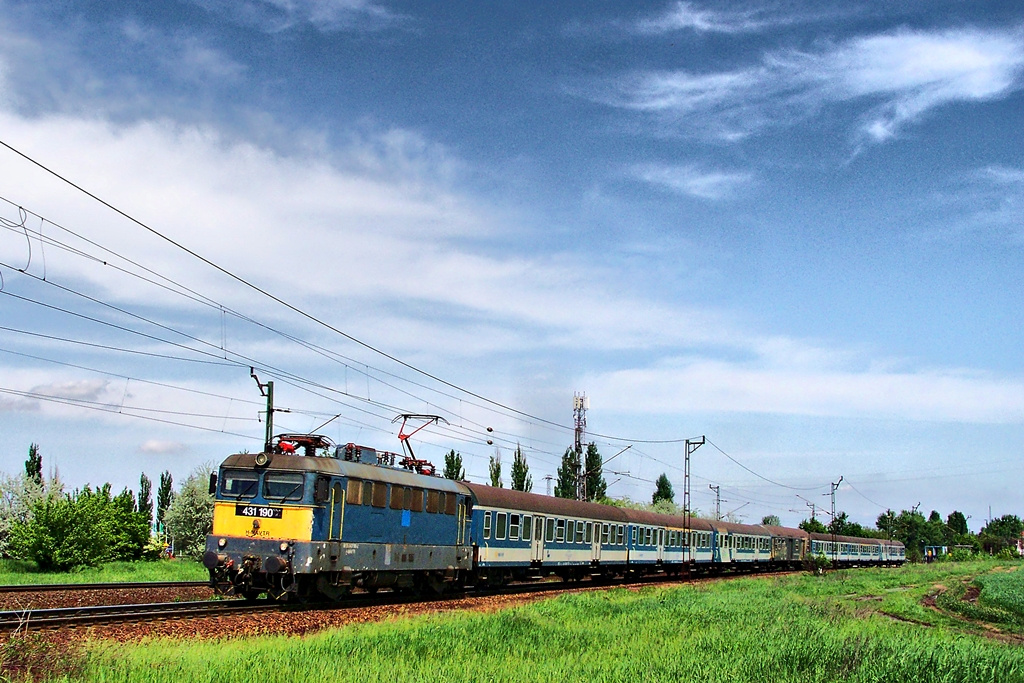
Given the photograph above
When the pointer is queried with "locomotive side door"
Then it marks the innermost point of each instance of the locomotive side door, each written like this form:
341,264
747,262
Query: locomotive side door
337,518
537,546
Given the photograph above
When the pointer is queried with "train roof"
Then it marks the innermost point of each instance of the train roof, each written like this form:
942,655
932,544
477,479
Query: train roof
534,502
785,531
854,539
345,468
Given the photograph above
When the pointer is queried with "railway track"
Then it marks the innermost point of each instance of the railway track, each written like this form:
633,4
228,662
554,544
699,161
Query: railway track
136,585
48,618
86,616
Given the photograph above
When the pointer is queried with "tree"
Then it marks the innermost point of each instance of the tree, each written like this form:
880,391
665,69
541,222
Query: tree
813,526
1001,533
521,479
957,522
34,464
189,517
17,496
145,502
494,469
887,522
663,490
568,474
164,496
453,468
593,477
771,520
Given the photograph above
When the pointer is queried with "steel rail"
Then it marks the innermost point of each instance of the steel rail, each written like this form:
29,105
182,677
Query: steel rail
81,616
130,585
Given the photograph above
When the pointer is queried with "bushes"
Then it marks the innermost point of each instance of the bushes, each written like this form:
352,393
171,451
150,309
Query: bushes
189,518
84,528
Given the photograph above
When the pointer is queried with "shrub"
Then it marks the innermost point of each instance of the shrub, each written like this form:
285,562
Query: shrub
189,518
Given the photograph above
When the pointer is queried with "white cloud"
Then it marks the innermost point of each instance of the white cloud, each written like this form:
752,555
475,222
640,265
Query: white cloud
894,78
688,16
158,447
692,181
324,15
693,385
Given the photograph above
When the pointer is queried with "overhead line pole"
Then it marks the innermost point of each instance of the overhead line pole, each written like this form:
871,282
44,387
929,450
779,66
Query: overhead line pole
691,446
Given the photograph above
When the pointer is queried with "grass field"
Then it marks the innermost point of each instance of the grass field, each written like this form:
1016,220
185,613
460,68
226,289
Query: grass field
14,572
857,625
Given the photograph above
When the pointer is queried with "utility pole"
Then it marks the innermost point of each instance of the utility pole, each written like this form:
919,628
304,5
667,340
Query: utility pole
810,504
691,446
718,501
268,391
580,403
834,487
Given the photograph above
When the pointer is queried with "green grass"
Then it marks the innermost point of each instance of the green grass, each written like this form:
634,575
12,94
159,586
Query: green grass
14,572
792,628
1004,591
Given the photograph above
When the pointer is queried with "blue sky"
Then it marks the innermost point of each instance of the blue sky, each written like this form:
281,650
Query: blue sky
795,228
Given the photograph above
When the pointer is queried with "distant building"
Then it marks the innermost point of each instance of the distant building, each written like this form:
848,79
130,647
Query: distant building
1020,544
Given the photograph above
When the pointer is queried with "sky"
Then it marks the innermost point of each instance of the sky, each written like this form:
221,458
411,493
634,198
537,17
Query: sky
794,229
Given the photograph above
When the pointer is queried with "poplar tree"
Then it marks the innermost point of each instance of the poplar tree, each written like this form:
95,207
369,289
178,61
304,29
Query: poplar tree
164,496
453,468
568,474
494,469
596,486
145,501
34,464
521,479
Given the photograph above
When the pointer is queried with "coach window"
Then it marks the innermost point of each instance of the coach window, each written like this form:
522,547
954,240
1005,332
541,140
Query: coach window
397,497
354,492
604,534
283,485
501,526
513,527
560,531
579,531
487,525
589,537
527,527
549,533
431,501
622,535
634,535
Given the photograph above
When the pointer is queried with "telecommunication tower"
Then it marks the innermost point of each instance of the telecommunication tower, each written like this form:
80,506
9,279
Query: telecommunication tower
580,403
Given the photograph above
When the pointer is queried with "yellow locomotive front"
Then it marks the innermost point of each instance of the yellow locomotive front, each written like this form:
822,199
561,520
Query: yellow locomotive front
266,516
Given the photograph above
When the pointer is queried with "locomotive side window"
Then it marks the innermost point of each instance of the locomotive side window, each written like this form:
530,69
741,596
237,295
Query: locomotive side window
239,484
487,524
414,500
354,492
379,497
501,527
397,497
441,501
450,503
431,501
283,485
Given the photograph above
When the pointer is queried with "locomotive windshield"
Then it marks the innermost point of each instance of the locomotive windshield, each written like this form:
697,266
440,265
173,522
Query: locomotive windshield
283,485
239,484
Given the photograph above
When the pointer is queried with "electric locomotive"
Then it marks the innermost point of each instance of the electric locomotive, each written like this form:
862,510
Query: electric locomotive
298,526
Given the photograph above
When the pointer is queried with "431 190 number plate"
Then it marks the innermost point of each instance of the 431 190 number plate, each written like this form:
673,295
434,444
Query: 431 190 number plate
260,511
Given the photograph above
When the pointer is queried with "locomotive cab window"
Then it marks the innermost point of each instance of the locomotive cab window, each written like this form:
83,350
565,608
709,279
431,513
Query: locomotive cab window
283,485
241,484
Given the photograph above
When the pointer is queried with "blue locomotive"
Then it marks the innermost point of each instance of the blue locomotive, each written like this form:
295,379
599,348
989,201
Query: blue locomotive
307,520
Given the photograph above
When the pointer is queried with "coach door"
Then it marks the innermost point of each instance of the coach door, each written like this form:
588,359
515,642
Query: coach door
599,536
537,546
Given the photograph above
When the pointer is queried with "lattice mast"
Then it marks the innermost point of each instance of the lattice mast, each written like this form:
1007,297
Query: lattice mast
580,404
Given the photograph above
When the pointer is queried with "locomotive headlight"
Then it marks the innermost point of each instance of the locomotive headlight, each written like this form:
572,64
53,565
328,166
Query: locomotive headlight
221,542
284,546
